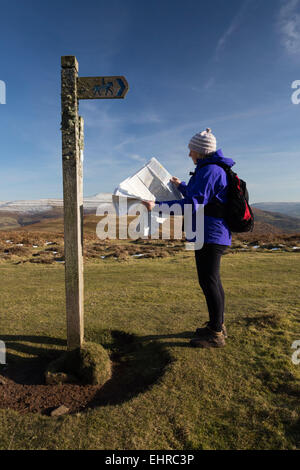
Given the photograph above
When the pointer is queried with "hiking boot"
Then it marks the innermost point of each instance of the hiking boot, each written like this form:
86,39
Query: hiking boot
203,331
212,339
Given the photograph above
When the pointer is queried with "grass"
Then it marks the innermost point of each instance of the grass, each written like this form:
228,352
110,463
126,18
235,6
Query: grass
245,396
91,363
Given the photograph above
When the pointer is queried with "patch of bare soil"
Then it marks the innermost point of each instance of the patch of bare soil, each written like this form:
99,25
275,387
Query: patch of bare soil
41,398
136,365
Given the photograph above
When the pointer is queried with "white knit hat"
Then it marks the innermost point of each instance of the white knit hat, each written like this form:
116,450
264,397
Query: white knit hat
203,142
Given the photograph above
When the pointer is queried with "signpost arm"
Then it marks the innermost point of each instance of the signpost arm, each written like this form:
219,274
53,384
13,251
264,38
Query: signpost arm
73,201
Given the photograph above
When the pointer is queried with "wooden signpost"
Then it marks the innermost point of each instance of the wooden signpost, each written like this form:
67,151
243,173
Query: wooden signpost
74,88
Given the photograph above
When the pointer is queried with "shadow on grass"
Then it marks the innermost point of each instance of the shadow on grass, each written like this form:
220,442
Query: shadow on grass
182,335
138,362
29,370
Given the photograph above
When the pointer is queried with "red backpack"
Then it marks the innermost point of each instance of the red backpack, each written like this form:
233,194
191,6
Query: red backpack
236,211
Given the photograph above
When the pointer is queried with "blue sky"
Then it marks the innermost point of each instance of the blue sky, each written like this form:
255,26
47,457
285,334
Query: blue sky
189,65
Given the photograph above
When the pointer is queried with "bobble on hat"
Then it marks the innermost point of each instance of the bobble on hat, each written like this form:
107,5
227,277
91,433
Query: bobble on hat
204,142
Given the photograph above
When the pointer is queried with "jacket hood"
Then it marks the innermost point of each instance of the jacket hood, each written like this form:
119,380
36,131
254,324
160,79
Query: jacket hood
216,157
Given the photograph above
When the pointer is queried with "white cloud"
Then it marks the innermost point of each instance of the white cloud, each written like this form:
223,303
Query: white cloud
96,116
137,158
234,25
289,26
210,83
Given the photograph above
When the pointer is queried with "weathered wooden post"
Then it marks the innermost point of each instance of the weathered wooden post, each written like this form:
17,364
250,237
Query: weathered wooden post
73,202
74,88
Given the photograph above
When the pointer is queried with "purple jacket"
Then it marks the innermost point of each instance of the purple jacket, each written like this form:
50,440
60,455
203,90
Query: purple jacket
207,184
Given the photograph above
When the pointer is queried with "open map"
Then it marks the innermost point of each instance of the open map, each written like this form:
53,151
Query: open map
151,182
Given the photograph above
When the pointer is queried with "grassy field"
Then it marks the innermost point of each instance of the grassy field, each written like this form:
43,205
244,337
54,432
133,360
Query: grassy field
245,396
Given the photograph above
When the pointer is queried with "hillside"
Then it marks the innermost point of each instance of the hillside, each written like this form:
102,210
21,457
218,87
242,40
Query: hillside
43,205
51,220
291,209
277,220
17,220
18,214
267,223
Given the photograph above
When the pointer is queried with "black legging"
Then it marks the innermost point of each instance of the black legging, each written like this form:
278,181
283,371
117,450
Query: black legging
208,267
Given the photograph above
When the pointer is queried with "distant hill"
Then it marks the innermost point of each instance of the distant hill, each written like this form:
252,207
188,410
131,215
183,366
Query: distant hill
267,223
14,219
291,209
277,220
39,206
18,214
47,214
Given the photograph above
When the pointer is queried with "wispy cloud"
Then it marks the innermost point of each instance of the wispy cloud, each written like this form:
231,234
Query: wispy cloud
177,133
234,25
289,26
137,157
210,83
96,116
207,85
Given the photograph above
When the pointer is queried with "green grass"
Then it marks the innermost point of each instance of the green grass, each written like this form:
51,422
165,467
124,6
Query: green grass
245,396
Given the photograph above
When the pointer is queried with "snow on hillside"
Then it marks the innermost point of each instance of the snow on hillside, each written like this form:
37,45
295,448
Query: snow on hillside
42,205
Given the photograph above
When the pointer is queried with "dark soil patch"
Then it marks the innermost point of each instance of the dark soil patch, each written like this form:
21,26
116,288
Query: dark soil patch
136,365
45,398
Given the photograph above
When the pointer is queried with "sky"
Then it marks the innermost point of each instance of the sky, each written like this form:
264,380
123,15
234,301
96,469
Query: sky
227,65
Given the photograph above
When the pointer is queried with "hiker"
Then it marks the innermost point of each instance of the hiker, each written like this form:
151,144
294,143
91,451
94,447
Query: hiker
207,186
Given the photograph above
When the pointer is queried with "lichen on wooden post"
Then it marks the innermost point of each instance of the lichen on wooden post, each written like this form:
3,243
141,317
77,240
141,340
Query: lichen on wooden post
72,127
74,88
